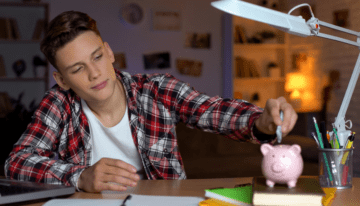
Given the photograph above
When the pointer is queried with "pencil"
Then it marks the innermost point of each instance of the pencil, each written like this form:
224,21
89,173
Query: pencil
322,147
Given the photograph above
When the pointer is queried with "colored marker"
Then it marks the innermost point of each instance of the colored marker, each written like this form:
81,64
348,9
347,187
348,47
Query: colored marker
348,146
278,129
322,147
337,142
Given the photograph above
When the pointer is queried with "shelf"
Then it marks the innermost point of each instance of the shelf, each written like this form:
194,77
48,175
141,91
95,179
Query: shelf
15,79
21,4
19,41
260,46
260,80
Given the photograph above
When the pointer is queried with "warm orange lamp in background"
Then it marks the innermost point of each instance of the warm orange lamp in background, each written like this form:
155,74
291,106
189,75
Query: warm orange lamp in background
296,84
303,91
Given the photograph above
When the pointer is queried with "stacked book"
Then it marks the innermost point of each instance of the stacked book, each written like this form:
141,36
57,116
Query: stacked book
239,195
307,192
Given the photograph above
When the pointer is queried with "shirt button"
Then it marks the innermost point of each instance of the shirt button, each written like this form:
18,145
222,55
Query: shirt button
165,150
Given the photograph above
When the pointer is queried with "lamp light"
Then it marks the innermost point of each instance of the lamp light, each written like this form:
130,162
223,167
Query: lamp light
296,83
298,26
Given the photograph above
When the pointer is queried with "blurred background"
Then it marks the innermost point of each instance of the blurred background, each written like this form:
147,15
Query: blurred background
216,53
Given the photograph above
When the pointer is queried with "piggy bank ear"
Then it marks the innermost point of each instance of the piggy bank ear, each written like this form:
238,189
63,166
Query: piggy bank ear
296,149
265,148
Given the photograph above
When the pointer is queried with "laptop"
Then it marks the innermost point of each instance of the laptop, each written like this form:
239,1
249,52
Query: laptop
13,191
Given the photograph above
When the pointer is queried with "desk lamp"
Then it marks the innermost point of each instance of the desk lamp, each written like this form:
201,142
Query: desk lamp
298,26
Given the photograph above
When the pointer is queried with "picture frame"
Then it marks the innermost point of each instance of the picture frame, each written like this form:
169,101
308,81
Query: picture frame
341,18
189,67
198,40
166,20
157,60
120,61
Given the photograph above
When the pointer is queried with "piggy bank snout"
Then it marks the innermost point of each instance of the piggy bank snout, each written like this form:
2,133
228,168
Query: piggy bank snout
277,167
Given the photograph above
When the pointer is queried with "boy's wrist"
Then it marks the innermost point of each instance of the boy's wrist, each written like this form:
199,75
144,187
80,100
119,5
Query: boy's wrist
264,138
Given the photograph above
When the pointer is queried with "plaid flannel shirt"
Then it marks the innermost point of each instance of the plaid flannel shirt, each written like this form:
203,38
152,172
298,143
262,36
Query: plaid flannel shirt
55,148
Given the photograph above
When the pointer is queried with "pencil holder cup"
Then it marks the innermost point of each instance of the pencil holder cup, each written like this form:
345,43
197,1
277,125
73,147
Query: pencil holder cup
336,168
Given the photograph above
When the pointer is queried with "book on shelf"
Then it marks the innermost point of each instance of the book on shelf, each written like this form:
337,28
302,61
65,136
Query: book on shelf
5,104
15,34
306,192
4,28
239,195
240,36
9,28
39,29
2,67
246,68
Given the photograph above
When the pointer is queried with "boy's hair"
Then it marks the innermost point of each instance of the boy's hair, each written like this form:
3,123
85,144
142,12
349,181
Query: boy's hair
63,29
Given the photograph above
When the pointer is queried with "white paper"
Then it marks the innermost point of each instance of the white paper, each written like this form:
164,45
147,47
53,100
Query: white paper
136,200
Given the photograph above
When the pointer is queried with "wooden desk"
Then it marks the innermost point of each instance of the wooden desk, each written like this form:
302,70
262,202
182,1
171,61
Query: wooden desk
196,187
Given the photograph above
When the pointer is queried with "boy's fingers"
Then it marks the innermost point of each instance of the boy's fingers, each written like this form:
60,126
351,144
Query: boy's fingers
120,164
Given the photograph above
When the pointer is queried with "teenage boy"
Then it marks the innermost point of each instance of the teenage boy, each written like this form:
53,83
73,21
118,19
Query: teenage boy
101,129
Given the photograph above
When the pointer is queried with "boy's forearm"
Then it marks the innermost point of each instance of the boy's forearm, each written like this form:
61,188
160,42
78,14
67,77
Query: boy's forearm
31,167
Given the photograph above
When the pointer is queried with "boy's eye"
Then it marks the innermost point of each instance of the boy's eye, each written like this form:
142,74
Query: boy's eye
98,57
78,69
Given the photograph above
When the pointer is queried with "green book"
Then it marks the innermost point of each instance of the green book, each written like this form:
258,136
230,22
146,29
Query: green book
241,195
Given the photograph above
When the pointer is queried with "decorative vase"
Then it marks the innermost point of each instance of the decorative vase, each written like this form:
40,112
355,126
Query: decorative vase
19,67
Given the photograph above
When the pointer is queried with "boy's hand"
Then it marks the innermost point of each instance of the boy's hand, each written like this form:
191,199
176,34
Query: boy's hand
108,174
270,118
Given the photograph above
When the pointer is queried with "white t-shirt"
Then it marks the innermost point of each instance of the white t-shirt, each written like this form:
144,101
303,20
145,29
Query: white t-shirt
115,142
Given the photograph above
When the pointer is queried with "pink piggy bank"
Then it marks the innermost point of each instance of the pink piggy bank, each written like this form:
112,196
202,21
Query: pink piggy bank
281,164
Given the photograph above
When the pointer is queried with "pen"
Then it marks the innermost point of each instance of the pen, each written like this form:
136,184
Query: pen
324,136
348,146
350,139
337,142
278,129
315,138
318,134
322,147
335,171
126,199
345,173
329,138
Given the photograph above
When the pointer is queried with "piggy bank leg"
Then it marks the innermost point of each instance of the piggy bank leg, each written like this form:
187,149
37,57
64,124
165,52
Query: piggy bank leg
291,183
270,183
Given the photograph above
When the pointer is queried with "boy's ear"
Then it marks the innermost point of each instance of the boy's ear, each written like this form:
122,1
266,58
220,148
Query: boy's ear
110,52
60,80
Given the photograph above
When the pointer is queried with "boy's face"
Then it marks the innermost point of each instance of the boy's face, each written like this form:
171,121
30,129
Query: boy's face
85,66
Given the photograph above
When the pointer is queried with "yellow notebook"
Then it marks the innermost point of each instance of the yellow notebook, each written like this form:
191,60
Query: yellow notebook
330,194
214,202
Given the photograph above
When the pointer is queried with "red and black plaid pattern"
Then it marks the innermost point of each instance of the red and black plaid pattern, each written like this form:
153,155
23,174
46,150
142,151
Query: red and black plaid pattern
56,146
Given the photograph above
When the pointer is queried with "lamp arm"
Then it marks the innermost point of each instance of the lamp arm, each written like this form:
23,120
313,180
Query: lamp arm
315,30
340,123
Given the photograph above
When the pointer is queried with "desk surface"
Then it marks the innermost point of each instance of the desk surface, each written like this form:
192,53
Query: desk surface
196,187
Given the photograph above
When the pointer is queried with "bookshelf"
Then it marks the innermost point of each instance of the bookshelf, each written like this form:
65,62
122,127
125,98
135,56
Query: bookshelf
20,48
260,60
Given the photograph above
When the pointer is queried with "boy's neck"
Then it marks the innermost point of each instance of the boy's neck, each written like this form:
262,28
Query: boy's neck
110,112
